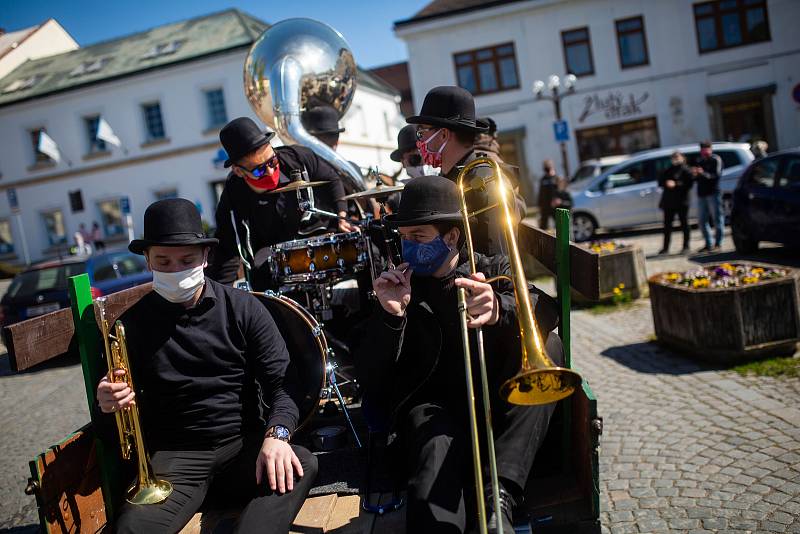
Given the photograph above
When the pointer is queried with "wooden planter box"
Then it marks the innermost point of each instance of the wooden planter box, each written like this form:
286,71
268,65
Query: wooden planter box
729,325
621,266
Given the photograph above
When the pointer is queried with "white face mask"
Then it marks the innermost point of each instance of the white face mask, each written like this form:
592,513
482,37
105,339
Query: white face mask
421,170
181,286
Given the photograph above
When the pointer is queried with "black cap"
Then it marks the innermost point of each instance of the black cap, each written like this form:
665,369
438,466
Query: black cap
172,222
449,107
321,120
241,136
426,200
406,140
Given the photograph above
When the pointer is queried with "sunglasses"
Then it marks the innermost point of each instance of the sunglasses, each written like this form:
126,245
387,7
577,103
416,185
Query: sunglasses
259,171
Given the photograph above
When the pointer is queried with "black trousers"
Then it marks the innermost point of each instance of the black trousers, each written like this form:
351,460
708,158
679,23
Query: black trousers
441,484
669,216
223,477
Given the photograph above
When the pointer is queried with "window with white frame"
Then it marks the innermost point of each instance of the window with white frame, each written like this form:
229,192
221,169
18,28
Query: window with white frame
111,217
54,227
6,237
38,157
215,104
95,144
153,121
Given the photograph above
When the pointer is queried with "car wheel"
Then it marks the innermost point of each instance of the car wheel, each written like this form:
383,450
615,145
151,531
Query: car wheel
583,227
743,241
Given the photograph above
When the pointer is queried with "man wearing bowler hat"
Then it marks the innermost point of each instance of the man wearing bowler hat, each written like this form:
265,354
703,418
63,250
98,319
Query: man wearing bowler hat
205,358
446,132
249,217
411,362
407,153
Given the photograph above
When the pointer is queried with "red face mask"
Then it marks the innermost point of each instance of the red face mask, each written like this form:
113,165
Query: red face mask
268,181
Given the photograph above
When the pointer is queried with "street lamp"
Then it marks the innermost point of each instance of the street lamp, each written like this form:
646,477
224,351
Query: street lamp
555,85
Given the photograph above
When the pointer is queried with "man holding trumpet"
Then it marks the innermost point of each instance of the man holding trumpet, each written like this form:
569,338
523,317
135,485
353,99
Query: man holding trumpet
204,356
411,363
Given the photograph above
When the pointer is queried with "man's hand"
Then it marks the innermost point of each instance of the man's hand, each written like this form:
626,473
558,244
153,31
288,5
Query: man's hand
393,289
281,464
114,396
345,225
482,305
670,184
696,171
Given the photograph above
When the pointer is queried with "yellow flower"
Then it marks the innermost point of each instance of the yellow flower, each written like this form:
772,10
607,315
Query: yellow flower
758,270
700,282
750,279
622,286
617,291
728,267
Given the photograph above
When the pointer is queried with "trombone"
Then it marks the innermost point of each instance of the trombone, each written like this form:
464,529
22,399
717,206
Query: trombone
146,488
539,380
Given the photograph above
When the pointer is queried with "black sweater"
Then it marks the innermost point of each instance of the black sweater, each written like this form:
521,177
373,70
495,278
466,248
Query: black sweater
196,369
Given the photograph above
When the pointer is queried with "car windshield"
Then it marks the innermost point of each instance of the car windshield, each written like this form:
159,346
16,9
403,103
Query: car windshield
118,265
41,280
586,171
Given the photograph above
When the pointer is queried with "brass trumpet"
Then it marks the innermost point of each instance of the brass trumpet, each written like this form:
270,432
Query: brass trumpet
539,380
146,488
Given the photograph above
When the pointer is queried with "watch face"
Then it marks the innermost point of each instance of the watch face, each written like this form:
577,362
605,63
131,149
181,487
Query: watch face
281,432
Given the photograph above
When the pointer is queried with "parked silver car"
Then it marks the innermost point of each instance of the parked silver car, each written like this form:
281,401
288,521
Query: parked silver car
627,194
592,167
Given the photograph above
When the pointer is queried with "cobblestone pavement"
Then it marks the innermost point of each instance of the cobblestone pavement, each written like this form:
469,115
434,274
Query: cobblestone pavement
685,448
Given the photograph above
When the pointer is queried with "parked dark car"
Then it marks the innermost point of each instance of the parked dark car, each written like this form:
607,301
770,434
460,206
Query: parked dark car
766,202
43,287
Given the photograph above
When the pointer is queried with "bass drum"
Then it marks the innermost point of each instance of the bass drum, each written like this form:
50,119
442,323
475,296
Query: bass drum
307,346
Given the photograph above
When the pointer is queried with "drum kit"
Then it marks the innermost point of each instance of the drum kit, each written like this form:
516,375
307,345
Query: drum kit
313,273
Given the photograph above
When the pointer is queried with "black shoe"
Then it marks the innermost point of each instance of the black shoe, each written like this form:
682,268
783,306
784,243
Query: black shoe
685,250
506,508
706,248
663,251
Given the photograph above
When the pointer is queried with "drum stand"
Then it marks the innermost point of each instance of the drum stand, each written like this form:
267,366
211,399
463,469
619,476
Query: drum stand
322,310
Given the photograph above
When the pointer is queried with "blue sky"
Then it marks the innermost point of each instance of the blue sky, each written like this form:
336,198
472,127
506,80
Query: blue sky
367,25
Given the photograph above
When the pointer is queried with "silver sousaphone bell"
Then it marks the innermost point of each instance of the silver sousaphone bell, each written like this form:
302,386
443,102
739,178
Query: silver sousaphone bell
295,65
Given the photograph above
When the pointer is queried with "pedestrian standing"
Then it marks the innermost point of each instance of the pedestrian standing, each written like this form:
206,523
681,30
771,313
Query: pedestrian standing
97,238
548,185
676,182
707,172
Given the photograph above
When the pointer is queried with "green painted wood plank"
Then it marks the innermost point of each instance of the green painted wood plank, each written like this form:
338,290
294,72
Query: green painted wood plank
94,367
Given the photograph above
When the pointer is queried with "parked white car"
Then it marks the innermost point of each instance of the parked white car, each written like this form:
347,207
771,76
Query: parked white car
627,194
592,167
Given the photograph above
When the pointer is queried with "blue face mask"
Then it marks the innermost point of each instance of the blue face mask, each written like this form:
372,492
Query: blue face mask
425,258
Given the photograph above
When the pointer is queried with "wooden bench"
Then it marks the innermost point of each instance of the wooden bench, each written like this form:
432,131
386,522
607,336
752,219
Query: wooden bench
73,481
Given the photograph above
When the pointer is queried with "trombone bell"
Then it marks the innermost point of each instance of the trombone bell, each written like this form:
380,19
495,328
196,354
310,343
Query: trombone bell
540,386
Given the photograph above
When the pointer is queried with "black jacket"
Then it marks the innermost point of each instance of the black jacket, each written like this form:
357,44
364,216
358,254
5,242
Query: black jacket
708,180
678,196
548,186
266,219
419,358
487,231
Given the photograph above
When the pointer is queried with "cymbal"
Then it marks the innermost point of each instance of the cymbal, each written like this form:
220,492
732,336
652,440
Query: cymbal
294,186
374,193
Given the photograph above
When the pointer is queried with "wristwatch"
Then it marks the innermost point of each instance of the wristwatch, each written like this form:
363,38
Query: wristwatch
279,432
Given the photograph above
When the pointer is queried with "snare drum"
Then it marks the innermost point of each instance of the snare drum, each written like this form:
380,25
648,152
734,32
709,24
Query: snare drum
307,347
318,259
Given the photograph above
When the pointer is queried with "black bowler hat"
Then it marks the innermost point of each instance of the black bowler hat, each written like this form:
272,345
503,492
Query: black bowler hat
406,140
426,200
241,136
172,222
321,120
449,107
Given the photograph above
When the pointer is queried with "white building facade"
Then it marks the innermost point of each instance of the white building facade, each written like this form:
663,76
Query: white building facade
649,73
167,118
